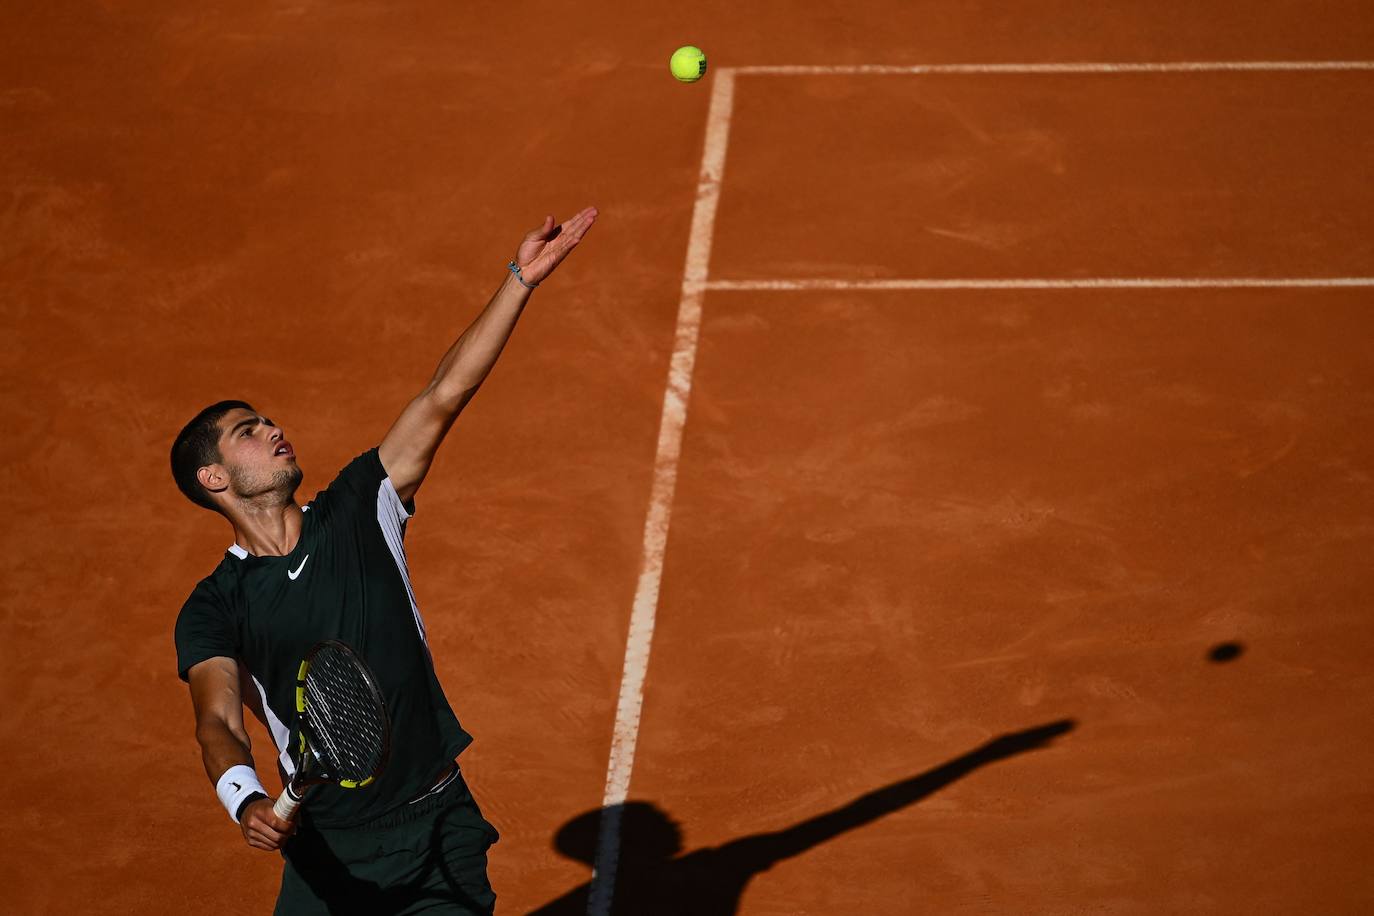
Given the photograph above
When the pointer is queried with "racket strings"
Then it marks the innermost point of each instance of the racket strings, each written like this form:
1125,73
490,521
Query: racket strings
345,718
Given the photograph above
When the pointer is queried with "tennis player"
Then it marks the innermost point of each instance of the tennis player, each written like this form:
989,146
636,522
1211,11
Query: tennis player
336,568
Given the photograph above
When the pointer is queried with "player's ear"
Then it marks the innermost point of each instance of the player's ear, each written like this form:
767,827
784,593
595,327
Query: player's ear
213,477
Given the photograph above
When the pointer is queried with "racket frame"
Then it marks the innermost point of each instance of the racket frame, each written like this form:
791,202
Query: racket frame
309,769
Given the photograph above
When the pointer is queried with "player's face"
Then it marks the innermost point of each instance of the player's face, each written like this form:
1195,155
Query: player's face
257,456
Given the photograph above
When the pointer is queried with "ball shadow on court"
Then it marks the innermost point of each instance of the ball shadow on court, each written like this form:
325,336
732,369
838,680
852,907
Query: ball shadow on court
1225,652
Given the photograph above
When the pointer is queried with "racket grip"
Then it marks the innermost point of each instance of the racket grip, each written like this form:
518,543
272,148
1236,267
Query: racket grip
287,804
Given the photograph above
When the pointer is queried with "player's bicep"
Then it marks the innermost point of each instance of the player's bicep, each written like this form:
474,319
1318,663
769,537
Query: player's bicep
409,447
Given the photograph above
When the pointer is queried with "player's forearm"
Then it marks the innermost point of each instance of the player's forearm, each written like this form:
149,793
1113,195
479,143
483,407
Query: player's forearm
222,747
470,359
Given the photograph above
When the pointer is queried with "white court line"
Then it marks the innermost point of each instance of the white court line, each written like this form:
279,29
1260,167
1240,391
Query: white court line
1051,283
661,498
1215,66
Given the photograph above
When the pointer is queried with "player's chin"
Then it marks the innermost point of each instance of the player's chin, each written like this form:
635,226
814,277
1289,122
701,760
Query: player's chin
282,482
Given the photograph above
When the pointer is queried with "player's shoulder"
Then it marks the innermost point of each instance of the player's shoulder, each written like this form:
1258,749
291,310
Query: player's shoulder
216,589
367,465
360,477
209,619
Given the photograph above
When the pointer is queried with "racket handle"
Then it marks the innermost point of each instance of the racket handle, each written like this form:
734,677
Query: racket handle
287,804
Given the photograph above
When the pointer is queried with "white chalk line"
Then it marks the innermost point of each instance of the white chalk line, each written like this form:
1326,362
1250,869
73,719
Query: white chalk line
1214,66
674,418
1045,283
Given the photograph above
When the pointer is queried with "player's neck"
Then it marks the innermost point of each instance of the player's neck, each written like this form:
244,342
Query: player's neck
267,531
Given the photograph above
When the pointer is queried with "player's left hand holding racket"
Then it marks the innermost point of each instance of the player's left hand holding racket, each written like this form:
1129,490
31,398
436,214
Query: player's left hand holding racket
345,732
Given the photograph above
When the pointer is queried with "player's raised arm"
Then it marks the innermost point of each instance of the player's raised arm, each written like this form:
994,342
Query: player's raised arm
227,752
409,446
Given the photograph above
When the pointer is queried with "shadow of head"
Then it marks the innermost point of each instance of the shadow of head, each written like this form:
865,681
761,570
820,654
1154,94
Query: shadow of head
646,833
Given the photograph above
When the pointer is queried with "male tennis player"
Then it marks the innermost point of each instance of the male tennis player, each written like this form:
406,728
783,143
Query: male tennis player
335,568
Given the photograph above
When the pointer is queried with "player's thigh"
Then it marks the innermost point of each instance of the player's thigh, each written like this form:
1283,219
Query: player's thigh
460,842
331,875
297,897
435,864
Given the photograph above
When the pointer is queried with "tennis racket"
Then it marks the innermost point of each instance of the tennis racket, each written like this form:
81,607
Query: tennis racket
345,731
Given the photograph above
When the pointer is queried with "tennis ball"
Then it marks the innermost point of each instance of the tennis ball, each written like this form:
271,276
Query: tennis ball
688,64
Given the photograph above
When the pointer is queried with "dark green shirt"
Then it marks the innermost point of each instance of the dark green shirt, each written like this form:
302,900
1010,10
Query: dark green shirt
346,579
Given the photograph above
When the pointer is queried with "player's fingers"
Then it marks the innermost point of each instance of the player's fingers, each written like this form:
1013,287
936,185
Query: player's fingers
260,839
278,836
541,231
265,822
570,227
275,823
586,217
563,250
580,216
587,221
573,232
559,245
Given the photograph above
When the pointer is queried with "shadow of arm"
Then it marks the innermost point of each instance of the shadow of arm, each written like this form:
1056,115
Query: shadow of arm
783,844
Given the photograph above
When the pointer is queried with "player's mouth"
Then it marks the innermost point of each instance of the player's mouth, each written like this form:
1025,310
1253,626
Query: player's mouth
284,449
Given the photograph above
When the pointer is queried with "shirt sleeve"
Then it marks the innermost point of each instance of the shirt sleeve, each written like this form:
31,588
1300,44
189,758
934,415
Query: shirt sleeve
203,630
365,485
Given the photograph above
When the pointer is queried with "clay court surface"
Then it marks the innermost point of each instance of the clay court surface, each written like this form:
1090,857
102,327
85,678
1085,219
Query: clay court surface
974,596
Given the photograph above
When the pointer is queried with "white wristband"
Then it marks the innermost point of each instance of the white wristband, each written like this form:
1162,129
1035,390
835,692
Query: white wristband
236,784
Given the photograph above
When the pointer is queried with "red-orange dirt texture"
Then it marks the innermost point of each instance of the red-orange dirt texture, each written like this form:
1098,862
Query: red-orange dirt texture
973,601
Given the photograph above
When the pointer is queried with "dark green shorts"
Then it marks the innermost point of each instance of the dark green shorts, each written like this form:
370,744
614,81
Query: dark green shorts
430,857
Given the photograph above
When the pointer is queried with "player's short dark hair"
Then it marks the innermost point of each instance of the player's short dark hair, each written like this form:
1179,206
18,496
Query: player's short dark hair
198,445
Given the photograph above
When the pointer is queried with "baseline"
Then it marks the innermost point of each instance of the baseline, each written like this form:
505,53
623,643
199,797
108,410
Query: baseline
1217,66
1047,283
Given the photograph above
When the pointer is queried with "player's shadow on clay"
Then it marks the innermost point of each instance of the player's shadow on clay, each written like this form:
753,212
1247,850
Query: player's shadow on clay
654,876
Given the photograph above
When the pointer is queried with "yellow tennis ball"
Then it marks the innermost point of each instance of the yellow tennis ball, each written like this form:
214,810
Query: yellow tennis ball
688,64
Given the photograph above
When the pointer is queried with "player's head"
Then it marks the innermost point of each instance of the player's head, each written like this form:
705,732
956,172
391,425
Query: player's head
230,453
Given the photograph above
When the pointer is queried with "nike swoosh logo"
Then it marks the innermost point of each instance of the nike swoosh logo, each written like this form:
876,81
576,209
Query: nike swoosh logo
292,575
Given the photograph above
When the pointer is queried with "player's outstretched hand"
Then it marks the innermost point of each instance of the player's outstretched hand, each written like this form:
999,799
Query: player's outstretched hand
262,828
1028,740
545,248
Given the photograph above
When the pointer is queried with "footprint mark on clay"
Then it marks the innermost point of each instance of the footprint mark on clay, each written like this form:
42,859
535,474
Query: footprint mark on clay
1108,688
1032,692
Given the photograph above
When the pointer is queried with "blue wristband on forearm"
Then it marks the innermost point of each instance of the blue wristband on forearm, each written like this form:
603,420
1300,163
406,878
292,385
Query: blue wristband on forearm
515,269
